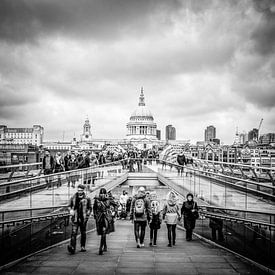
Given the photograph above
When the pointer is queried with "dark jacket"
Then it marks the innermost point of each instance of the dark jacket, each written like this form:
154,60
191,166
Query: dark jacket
102,208
181,159
147,215
51,162
186,211
83,210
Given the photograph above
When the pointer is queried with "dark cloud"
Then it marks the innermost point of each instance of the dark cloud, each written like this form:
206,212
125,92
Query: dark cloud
23,21
263,34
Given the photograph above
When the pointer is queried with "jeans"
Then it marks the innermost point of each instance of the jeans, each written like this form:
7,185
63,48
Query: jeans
75,226
171,230
139,228
189,233
153,235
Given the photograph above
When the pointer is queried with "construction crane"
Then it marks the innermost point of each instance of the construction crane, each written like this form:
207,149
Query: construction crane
260,125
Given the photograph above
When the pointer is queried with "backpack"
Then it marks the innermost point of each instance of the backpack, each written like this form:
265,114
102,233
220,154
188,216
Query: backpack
139,207
155,207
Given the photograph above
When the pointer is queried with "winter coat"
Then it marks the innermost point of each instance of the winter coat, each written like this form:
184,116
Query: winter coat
186,211
51,163
102,208
147,214
84,206
171,212
181,159
156,221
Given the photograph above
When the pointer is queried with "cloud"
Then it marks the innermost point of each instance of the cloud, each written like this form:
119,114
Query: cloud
200,62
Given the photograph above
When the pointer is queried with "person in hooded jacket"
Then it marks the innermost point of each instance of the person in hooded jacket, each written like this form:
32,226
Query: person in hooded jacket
140,213
156,219
171,215
181,159
80,209
104,218
189,211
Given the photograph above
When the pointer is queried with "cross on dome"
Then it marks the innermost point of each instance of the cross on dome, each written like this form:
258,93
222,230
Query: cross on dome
141,98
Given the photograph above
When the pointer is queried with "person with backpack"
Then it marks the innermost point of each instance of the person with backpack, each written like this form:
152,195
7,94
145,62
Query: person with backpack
171,215
80,209
103,205
140,213
156,219
190,213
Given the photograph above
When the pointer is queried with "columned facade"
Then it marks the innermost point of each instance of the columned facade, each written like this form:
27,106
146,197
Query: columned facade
141,129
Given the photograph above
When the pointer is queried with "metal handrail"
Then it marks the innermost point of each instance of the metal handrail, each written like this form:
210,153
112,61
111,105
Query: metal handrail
33,219
59,173
221,175
235,219
20,165
236,164
237,210
31,209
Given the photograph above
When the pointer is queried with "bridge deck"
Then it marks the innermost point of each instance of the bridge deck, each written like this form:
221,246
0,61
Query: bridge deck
196,257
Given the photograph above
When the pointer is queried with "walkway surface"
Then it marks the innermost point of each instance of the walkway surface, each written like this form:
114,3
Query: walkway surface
196,257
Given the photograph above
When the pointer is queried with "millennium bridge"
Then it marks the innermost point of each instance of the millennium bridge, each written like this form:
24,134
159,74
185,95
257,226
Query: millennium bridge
35,227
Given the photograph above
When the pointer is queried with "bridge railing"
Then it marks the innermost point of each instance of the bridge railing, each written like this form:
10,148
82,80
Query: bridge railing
241,231
217,188
55,189
23,236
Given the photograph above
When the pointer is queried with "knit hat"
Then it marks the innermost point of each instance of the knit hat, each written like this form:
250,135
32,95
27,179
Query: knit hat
81,186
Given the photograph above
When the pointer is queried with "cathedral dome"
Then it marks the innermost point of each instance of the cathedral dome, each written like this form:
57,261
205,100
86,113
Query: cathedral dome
142,112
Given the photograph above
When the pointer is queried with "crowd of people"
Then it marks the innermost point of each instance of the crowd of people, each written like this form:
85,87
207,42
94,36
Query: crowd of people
142,210
131,160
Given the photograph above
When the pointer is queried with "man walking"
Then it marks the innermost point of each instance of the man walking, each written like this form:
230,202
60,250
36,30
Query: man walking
48,167
80,209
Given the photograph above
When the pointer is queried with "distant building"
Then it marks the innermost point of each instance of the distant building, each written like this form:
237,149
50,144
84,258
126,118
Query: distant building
209,133
19,153
253,134
243,138
170,132
86,135
267,138
33,136
158,134
216,141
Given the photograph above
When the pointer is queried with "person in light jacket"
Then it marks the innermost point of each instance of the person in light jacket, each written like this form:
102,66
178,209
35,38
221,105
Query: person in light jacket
171,215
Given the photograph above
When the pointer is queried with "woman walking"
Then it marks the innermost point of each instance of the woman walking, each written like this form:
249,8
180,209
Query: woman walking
171,215
190,213
103,217
156,219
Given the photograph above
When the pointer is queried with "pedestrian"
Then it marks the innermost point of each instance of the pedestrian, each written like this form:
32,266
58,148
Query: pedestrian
216,224
190,213
181,159
72,165
171,215
122,201
80,210
58,167
140,213
48,167
156,219
104,217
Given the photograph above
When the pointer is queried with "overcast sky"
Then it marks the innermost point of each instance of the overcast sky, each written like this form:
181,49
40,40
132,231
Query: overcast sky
200,62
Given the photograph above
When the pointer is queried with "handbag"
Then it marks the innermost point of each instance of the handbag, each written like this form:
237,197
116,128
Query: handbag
195,213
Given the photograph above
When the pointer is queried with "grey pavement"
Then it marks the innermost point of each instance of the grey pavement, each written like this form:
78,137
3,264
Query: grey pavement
122,257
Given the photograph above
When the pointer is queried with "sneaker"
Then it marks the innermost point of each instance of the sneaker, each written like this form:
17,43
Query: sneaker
142,245
169,245
71,249
83,249
154,244
138,245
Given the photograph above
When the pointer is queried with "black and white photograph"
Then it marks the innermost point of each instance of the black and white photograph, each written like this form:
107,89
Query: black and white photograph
137,137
